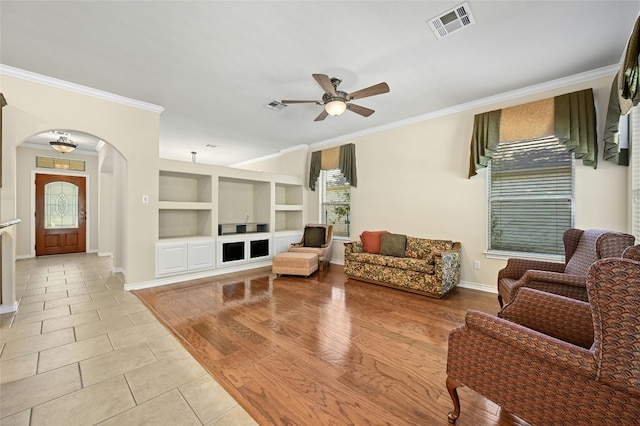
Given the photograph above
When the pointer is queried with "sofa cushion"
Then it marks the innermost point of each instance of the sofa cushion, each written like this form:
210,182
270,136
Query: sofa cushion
314,236
404,263
393,244
371,241
423,248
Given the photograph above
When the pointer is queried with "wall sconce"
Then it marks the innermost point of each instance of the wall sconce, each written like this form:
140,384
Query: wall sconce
63,145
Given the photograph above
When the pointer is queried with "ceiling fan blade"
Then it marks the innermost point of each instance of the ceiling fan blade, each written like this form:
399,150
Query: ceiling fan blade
365,112
325,82
289,101
322,116
369,91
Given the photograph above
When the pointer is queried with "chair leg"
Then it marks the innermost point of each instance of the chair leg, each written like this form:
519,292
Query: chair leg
453,392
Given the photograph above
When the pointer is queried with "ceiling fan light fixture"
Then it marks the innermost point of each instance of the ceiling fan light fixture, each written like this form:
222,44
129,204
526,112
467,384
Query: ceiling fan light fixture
335,107
63,145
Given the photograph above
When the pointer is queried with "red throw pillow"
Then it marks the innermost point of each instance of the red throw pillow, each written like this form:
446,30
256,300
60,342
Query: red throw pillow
371,241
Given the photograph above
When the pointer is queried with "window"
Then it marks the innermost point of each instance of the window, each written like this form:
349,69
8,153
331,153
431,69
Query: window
335,199
530,187
634,142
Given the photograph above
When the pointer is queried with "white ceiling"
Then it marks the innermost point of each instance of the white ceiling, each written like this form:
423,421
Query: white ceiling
213,65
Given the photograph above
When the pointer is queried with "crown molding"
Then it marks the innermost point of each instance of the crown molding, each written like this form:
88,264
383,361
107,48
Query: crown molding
491,100
301,147
76,88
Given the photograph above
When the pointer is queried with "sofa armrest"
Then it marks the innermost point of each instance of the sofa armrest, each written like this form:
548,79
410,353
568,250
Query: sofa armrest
532,342
561,317
447,266
516,267
352,247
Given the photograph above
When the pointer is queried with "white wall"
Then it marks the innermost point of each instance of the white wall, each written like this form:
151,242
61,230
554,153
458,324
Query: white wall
413,180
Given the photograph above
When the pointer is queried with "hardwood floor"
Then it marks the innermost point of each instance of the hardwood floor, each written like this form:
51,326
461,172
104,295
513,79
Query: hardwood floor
325,350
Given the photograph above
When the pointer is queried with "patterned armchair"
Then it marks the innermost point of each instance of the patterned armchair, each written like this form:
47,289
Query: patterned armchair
317,239
632,252
539,364
582,248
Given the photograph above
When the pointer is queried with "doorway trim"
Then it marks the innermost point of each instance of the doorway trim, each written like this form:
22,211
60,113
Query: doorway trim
32,248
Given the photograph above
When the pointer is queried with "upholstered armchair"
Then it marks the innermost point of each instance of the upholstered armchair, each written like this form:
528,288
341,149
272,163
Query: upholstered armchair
632,252
317,238
537,361
582,248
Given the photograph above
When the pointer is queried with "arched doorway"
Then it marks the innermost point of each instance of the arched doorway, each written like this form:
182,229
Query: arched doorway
58,223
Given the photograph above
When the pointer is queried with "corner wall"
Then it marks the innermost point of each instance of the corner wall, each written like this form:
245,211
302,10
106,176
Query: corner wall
35,107
413,180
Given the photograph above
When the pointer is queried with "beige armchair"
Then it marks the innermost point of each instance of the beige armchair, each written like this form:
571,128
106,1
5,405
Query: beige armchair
317,239
538,362
582,248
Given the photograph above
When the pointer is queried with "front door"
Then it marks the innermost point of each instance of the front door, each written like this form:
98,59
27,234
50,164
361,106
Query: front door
60,214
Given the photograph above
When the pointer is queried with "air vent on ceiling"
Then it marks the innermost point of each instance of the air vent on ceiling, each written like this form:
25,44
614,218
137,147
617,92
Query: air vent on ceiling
275,105
451,21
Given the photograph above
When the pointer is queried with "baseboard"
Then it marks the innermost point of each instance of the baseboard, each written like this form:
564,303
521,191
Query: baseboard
478,286
195,276
8,308
24,256
105,254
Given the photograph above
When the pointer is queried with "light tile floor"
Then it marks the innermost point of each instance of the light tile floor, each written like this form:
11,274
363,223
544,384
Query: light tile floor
82,351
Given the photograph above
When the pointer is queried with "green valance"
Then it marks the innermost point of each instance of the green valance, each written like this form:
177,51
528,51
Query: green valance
575,125
314,169
571,118
484,140
343,158
612,149
625,93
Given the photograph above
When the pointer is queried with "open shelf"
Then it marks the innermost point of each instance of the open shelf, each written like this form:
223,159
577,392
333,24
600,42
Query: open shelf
184,187
174,223
243,201
288,220
287,194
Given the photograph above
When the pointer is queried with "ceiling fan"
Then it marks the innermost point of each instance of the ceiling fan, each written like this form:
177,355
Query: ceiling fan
336,101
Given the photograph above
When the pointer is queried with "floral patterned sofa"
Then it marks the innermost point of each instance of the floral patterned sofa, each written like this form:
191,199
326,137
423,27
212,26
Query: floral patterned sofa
429,267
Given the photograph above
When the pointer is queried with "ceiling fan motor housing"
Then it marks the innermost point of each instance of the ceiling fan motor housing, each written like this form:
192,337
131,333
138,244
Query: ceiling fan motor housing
340,96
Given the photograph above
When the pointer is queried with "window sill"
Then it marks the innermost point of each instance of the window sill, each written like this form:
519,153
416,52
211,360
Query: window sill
504,255
342,239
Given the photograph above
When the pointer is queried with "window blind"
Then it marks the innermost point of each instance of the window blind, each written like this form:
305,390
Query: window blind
530,196
634,136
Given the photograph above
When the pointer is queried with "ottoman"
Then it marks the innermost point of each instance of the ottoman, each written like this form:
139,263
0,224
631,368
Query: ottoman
291,263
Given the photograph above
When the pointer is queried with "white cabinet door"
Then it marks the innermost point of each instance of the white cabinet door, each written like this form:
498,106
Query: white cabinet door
284,241
184,256
201,255
171,258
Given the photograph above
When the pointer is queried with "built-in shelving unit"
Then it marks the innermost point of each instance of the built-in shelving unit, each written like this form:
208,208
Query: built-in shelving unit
211,218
